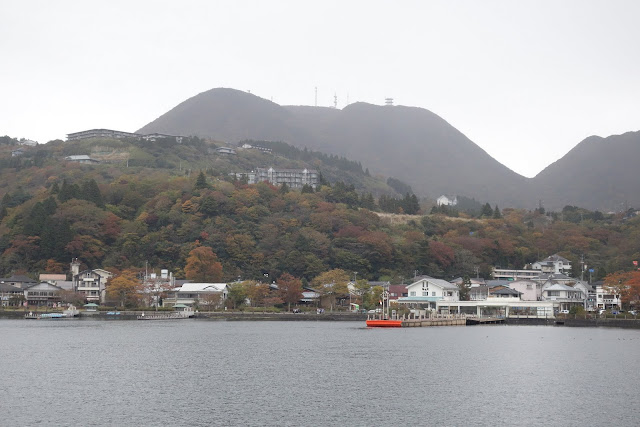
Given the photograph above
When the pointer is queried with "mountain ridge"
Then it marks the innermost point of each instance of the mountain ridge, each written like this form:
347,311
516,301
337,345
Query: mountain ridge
409,143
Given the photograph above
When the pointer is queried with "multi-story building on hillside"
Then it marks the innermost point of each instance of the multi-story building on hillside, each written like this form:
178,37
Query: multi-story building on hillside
101,133
294,178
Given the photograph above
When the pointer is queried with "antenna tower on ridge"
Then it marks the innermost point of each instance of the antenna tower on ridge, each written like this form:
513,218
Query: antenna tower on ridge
388,102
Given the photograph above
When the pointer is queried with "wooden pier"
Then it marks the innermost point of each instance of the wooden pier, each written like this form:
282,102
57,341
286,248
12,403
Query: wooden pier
449,320
484,320
435,321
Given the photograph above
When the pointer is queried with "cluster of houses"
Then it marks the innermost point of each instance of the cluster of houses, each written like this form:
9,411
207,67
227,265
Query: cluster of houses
544,290
162,290
47,291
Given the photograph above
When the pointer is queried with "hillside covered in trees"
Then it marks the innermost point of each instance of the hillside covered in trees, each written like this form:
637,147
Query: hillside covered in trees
170,199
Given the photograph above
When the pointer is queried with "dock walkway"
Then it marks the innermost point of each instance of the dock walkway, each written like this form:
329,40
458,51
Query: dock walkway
449,320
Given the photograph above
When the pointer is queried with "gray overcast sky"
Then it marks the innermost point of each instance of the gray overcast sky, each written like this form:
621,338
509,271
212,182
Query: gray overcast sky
525,80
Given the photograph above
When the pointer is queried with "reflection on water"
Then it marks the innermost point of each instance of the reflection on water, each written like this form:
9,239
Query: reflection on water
194,372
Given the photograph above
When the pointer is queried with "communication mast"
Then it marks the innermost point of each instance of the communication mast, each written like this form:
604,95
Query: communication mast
388,102
316,104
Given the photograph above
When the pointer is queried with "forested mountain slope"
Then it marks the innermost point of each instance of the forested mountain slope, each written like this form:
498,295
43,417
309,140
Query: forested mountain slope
160,207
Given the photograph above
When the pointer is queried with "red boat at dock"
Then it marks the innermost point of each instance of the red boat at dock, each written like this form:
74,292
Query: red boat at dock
384,323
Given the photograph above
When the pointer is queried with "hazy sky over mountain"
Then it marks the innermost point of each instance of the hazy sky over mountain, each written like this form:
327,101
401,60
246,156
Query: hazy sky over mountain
525,80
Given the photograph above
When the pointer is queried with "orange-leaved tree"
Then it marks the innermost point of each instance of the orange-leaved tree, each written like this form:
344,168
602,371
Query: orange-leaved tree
203,265
290,289
125,288
627,285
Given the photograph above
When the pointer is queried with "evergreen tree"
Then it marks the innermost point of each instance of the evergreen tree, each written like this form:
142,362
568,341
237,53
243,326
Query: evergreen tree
34,222
464,288
367,201
322,181
6,200
284,188
63,235
90,192
55,188
201,181
496,213
208,206
410,204
68,191
49,206
487,212
306,189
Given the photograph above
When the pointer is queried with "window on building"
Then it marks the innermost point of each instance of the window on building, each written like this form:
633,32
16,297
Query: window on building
413,293
425,293
433,294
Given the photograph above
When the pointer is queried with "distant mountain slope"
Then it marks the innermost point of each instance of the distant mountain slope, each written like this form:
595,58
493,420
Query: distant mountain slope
418,147
598,173
409,143
226,115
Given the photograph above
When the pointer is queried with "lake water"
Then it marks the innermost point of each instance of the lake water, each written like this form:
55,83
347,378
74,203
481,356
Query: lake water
203,373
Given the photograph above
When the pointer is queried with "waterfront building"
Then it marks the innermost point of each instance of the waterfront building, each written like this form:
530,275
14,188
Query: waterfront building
44,294
10,295
531,290
499,307
191,294
426,291
59,280
397,291
607,298
91,283
19,281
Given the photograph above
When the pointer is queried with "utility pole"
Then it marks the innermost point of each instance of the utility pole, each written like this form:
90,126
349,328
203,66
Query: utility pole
582,267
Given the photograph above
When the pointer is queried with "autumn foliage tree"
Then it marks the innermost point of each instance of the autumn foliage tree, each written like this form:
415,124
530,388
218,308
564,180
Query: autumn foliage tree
331,284
203,266
290,289
125,288
627,285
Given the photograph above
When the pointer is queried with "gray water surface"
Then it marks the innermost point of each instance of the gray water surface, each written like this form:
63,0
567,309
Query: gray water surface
201,373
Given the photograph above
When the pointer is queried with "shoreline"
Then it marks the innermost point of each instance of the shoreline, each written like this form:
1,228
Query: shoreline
632,323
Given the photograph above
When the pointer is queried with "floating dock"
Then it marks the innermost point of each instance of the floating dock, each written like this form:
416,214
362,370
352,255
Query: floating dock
447,320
